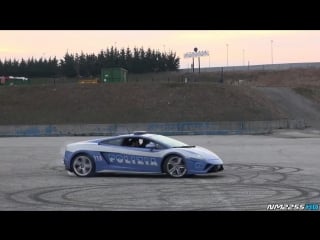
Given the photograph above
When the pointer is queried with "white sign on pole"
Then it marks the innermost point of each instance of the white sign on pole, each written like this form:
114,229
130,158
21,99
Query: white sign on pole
196,54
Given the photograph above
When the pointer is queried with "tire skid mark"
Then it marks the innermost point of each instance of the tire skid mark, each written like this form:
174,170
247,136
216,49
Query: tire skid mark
243,187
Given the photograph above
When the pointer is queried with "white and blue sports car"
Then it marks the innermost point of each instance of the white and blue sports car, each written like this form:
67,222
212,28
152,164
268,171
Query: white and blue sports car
139,152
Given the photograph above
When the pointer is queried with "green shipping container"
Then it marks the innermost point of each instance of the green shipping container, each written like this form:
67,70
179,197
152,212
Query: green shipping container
109,75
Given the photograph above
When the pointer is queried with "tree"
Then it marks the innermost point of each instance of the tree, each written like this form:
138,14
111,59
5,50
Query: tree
68,67
138,61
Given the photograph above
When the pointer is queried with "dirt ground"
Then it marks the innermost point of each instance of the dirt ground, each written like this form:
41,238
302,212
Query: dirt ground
131,102
151,98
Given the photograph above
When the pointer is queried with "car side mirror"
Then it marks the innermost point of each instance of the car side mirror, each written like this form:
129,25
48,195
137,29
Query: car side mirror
151,146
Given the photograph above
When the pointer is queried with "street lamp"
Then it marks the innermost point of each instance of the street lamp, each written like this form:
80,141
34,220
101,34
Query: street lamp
227,54
271,51
196,50
243,57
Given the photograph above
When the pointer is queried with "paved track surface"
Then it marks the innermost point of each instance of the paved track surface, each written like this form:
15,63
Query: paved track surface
282,168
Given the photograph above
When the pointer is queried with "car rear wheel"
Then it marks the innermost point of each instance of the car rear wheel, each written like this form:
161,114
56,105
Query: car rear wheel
175,166
83,166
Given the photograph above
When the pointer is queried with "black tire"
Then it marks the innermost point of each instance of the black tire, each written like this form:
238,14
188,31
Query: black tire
174,166
83,166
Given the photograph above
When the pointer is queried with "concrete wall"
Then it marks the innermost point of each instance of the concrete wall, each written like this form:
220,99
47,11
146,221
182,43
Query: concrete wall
180,128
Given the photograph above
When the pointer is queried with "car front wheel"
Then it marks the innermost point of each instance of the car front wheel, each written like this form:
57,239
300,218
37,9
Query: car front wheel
83,166
175,166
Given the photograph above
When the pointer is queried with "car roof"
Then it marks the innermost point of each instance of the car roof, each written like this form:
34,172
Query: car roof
138,135
134,134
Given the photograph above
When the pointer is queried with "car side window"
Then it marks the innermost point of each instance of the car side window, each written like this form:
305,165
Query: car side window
157,145
139,143
115,141
143,142
131,142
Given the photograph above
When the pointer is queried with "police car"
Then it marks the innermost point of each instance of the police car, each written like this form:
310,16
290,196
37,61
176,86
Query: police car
139,152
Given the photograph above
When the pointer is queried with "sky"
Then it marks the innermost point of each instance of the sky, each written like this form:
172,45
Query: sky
226,48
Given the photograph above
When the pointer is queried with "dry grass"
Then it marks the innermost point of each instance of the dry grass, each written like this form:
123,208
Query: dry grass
285,78
131,102
156,97
311,93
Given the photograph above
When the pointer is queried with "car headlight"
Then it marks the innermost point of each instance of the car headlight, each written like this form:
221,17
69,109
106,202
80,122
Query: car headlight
196,157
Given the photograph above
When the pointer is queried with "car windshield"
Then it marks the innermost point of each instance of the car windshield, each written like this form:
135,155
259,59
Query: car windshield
170,142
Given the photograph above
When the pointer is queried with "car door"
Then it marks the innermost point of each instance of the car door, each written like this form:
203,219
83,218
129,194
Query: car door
134,155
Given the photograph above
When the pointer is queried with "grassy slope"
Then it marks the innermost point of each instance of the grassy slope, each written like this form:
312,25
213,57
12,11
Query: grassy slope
313,93
157,97
131,102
